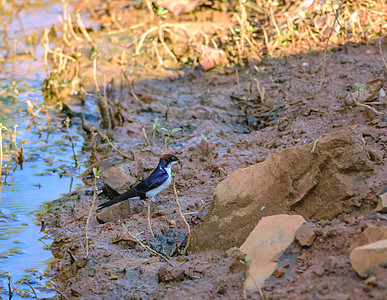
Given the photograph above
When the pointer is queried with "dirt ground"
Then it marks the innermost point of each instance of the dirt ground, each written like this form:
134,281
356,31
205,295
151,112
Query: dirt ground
241,129
322,271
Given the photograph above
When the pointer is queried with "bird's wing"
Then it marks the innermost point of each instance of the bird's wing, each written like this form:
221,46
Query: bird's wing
154,180
157,178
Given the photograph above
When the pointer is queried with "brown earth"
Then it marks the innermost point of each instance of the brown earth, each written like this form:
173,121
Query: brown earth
241,133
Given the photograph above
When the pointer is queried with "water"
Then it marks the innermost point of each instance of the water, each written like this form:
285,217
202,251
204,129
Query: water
48,168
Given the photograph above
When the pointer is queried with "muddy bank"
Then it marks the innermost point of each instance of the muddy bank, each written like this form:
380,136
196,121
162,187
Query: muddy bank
240,133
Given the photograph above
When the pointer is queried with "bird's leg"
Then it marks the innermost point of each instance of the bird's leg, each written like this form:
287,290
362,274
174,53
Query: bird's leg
149,216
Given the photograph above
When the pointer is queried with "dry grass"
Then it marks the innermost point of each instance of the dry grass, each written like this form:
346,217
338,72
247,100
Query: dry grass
245,32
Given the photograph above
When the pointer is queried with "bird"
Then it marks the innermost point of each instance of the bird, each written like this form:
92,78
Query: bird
154,184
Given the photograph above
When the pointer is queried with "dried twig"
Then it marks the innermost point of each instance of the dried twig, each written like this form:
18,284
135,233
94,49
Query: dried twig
59,291
32,288
147,143
369,107
326,46
257,286
315,144
83,30
150,9
182,216
381,52
46,48
95,73
71,29
131,87
119,152
95,192
67,122
261,91
149,216
237,79
147,248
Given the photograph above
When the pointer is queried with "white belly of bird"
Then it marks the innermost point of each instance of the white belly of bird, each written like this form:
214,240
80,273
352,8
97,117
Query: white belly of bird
154,192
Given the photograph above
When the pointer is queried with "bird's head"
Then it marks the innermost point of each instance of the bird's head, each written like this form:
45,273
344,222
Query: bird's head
168,160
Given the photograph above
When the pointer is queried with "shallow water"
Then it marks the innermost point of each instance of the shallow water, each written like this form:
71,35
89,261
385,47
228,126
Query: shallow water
47,171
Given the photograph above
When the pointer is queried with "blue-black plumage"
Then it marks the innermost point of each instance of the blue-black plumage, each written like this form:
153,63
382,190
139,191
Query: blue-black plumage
155,183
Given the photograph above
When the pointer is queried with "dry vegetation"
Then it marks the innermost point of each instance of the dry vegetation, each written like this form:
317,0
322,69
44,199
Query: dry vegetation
221,34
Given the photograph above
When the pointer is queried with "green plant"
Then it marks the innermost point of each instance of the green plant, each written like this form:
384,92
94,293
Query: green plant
161,11
155,127
360,86
96,174
204,137
168,135
247,259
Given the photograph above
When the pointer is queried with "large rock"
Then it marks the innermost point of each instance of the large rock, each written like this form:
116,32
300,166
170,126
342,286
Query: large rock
370,235
318,181
366,258
265,245
120,211
118,179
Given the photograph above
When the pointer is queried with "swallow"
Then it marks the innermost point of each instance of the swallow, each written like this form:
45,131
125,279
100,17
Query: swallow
157,182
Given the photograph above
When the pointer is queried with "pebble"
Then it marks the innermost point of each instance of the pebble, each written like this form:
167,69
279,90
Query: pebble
278,273
305,235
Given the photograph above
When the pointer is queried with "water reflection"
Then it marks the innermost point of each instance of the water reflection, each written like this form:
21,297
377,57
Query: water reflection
47,166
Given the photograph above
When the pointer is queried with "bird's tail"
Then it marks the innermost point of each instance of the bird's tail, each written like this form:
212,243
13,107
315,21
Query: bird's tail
120,198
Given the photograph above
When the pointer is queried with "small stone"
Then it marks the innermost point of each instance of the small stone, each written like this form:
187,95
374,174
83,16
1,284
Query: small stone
158,213
336,296
375,121
200,268
278,273
318,270
232,252
180,258
366,258
371,281
240,262
327,264
113,277
305,235
170,274
179,7
376,156
382,204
